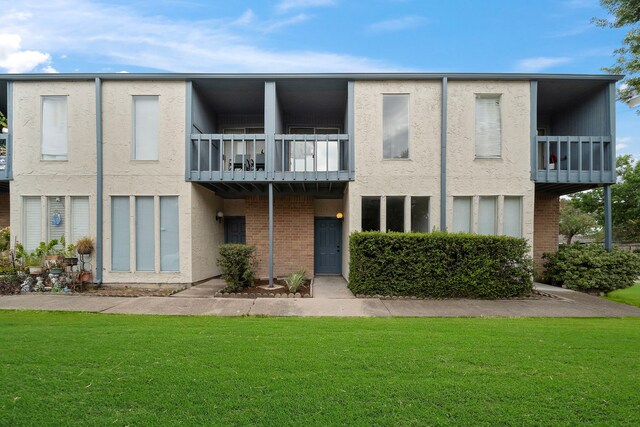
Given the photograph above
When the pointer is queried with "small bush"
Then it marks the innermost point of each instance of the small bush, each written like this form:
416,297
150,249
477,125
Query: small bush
439,265
236,263
592,268
10,283
295,280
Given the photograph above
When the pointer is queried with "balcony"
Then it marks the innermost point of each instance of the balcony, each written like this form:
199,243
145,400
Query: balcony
5,159
260,158
574,159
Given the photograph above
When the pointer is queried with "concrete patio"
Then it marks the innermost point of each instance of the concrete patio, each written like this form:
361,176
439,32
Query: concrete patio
331,298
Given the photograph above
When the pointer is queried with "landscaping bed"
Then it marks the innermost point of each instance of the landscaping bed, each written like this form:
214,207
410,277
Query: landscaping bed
255,291
534,295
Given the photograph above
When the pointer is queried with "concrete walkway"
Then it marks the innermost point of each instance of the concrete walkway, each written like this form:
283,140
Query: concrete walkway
331,298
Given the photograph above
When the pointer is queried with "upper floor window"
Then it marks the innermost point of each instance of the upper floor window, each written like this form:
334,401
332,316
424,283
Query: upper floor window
395,126
488,126
54,128
145,128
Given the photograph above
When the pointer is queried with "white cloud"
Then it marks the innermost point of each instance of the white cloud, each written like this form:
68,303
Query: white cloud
119,35
398,24
541,63
16,60
49,70
286,5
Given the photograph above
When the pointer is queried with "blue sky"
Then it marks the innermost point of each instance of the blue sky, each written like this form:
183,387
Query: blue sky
312,36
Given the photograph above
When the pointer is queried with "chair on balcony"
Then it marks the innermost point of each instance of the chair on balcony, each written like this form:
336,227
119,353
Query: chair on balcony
259,162
242,162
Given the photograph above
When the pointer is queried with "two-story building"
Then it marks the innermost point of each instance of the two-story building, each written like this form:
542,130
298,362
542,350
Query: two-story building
160,169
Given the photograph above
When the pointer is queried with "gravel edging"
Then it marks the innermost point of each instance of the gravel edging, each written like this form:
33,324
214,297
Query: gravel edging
266,294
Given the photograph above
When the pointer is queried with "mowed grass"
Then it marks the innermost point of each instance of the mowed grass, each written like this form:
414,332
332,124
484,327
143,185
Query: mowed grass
91,369
630,295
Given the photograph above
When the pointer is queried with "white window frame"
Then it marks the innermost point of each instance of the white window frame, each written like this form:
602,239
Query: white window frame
478,132
134,130
45,137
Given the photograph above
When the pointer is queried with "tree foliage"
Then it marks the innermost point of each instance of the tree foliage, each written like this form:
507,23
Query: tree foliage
625,201
574,221
625,13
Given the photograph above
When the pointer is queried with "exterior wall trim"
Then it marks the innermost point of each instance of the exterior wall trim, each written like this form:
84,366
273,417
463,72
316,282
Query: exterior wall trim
534,126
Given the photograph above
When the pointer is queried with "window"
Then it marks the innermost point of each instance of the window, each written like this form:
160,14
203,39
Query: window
145,241
325,156
169,242
55,218
31,222
395,126
145,128
420,214
487,215
120,232
395,214
54,128
370,213
79,218
512,223
462,214
488,126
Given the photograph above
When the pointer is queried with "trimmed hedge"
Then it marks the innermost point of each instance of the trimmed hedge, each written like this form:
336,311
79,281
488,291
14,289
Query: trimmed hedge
592,268
236,264
439,265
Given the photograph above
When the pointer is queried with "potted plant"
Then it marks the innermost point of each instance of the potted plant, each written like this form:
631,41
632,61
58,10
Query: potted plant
70,258
53,254
34,261
84,246
3,123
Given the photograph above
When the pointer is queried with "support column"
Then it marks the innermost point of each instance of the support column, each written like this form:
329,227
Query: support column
99,183
270,234
443,158
608,229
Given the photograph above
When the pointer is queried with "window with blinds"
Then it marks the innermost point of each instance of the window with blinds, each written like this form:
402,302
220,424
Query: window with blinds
487,215
462,214
56,217
145,128
79,218
145,232
31,222
512,223
120,232
169,235
488,126
54,128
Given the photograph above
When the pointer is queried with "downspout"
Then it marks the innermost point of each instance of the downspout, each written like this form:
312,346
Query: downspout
99,185
443,158
10,121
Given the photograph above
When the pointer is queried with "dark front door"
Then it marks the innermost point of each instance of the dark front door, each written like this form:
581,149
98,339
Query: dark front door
234,229
328,246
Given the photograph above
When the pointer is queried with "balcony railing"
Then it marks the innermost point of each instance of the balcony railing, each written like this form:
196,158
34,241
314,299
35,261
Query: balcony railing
574,159
262,158
4,158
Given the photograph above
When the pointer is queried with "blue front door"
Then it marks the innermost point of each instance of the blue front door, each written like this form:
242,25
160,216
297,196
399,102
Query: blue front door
328,246
234,229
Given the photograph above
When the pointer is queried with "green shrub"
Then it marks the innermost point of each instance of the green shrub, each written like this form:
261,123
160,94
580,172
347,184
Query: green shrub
236,263
591,268
295,280
10,283
439,265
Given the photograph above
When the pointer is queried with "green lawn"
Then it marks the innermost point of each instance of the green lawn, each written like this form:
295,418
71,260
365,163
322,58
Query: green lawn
627,296
93,369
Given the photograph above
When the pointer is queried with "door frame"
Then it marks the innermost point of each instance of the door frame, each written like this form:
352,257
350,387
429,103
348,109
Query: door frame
340,226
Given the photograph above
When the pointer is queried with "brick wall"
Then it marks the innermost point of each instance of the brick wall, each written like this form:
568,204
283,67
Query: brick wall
4,209
293,222
545,226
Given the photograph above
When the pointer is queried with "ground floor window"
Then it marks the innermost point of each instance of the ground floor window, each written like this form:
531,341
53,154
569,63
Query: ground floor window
150,236
395,213
512,216
66,216
488,215
462,207
370,213
420,214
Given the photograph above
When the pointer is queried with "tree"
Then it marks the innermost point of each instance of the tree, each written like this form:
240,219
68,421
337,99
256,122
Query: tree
626,13
574,221
625,201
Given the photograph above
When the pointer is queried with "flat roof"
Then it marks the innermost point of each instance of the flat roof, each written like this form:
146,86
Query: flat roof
290,76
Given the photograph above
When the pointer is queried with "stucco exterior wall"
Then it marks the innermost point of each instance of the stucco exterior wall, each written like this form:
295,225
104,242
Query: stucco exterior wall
206,232
509,175
5,203
75,176
163,177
